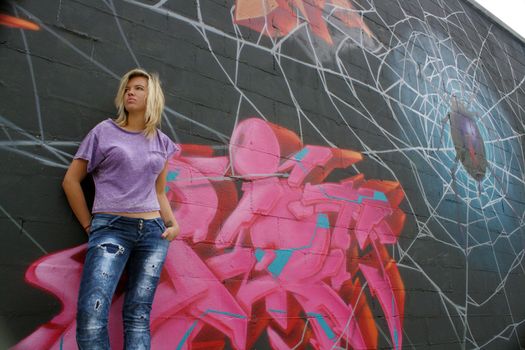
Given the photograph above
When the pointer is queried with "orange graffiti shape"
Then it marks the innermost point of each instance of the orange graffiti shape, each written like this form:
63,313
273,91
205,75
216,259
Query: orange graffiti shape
15,22
277,18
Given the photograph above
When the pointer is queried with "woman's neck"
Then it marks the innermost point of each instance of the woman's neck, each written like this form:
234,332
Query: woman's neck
135,122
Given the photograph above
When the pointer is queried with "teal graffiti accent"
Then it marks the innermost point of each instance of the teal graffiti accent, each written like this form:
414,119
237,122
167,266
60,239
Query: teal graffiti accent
322,322
186,335
194,324
211,311
277,311
259,254
299,157
282,256
322,221
396,339
301,154
378,196
396,336
172,175
61,342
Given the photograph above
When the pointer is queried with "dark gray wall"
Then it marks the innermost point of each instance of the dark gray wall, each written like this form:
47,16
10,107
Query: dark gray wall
383,87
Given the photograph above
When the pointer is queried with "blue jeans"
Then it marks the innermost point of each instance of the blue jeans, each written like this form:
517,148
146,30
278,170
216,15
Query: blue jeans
115,241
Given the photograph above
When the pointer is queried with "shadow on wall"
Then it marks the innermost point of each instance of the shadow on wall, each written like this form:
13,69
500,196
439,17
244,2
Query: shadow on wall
291,259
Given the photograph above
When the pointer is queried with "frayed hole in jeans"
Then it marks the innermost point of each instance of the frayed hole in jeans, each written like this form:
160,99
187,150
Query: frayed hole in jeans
112,248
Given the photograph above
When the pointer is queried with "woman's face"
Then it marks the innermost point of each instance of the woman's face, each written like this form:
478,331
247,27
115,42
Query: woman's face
135,95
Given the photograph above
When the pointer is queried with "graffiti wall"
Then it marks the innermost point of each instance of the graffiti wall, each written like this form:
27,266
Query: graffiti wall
352,173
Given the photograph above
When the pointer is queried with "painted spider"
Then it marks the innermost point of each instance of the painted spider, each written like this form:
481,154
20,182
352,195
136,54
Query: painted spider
467,139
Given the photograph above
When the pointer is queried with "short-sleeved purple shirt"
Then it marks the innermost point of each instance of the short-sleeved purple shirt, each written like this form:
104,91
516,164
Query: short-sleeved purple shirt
125,166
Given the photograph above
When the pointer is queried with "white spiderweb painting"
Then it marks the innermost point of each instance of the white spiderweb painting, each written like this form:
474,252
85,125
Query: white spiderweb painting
430,97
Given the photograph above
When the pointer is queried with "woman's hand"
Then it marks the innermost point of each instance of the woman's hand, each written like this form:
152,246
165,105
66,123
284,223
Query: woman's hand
172,231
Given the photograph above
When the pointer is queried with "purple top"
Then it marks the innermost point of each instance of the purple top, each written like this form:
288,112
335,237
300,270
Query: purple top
125,166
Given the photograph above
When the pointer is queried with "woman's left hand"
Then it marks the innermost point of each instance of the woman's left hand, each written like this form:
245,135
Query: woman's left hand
171,232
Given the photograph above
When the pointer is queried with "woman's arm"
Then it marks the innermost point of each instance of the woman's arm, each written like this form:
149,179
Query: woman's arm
172,227
76,172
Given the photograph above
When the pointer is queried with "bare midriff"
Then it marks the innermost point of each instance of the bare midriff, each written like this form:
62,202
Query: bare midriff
144,215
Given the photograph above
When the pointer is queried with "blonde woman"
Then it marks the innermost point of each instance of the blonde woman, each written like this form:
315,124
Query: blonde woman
132,221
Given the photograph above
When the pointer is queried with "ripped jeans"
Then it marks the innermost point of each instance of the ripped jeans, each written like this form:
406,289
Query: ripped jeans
115,241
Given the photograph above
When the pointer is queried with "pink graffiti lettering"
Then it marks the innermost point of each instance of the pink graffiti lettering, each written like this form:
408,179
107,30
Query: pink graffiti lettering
291,257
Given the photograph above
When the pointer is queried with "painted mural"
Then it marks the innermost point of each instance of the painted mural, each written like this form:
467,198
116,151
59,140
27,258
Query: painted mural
279,18
352,174
299,284
15,22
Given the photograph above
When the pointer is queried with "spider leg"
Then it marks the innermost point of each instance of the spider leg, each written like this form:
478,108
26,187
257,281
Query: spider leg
454,184
498,180
443,122
453,171
479,188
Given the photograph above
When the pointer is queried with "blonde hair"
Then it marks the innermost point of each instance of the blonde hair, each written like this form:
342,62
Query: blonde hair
154,101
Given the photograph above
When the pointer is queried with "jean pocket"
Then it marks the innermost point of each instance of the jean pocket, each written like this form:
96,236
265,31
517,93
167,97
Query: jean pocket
160,223
97,225
100,223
